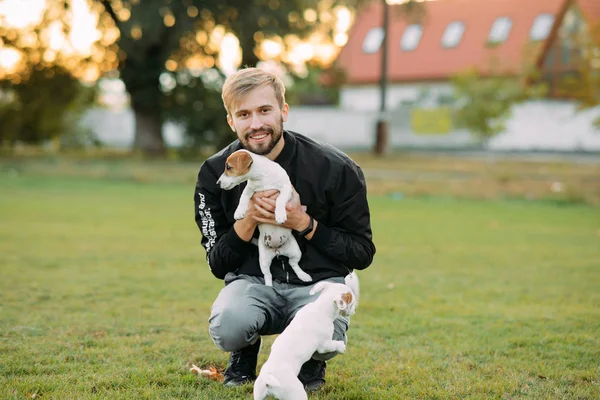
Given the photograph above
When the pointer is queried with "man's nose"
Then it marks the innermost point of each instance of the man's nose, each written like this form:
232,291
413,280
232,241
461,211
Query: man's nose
256,122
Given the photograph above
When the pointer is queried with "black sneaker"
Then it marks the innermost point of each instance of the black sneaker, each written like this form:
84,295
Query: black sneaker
242,366
312,374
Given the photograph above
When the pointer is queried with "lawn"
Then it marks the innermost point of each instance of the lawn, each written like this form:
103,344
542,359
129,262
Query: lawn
105,294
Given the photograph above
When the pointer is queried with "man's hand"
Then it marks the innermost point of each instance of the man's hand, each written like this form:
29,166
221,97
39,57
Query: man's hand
297,218
245,227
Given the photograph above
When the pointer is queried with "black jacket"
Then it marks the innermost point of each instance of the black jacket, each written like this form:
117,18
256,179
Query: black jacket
329,183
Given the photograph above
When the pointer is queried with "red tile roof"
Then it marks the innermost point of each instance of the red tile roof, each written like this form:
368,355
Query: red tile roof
591,10
431,61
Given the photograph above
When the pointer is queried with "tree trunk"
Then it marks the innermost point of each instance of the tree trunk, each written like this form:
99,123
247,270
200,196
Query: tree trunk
148,133
142,82
249,59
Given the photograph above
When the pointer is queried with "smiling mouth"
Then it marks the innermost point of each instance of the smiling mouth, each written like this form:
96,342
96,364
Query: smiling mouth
259,137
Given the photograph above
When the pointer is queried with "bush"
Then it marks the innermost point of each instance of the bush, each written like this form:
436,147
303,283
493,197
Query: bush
45,106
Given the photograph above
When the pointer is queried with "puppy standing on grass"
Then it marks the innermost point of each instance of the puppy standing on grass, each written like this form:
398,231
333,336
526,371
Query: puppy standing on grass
310,331
264,174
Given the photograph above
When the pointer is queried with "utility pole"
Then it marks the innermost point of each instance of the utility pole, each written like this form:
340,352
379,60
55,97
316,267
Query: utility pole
382,132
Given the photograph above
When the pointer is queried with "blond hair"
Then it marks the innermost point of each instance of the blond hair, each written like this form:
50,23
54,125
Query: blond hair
247,79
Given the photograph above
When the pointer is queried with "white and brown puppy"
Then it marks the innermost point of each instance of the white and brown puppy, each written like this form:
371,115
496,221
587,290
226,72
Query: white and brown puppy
310,331
264,174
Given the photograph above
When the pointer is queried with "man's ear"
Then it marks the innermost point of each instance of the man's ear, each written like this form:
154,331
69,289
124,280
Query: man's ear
284,112
230,122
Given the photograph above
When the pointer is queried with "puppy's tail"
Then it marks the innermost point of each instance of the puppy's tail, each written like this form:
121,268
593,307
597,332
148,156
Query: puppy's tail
351,281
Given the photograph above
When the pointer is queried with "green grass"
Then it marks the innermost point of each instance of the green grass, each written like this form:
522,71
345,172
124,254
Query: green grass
105,293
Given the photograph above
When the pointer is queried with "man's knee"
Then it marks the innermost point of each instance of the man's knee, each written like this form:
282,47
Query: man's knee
232,329
340,326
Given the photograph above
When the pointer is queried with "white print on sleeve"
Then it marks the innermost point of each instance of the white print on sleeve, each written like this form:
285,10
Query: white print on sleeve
208,225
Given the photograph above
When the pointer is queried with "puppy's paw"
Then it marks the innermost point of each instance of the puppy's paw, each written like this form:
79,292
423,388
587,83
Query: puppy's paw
304,277
239,213
280,216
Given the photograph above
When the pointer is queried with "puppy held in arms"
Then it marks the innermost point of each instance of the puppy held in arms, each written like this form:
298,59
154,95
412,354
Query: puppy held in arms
264,174
310,331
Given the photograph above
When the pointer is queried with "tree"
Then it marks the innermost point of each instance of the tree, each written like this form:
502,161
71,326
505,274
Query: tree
583,85
163,36
484,102
192,101
46,106
148,36
41,97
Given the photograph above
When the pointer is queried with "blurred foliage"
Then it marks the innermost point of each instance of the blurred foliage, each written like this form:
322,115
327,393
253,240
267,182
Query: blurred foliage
47,105
319,86
583,84
41,98
40,45
195,102
164,36
483,103
143,45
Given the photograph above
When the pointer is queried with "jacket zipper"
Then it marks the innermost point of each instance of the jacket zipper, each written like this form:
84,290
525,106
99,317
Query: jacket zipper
287,274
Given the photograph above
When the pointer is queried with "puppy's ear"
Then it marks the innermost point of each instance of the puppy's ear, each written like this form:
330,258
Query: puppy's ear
346,303
341,303
240,161
347,297
352,302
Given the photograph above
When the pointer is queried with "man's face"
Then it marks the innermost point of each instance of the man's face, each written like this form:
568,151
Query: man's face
258,120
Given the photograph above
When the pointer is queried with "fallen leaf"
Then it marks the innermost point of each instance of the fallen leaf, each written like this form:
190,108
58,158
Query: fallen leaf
210,373
542,377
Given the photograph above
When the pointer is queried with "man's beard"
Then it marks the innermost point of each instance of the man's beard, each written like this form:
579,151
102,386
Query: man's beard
266,147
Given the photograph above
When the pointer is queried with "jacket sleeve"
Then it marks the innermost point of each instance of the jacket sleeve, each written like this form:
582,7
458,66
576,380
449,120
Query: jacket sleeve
349,239
225,251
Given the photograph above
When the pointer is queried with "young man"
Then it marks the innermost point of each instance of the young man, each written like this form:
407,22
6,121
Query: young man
328,212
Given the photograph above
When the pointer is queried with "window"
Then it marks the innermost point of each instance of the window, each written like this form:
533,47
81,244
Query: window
500,30
373,40
411,37
541,27
453,33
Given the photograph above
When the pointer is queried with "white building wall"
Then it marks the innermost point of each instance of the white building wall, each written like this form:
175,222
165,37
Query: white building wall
534,126
367,97
116,128
341,128
539,125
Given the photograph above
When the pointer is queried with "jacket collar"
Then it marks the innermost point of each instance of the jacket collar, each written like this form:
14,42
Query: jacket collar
287,153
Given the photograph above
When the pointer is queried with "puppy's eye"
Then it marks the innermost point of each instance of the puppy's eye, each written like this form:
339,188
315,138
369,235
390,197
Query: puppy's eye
227,167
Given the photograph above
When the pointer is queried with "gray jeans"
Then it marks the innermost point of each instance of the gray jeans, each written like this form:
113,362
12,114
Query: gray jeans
247,309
